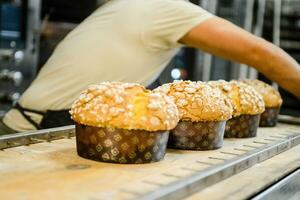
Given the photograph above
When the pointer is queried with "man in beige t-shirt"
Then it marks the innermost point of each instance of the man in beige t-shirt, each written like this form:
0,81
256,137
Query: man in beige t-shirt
133,41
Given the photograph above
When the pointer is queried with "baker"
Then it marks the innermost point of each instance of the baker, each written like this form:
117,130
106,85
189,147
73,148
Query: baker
133,41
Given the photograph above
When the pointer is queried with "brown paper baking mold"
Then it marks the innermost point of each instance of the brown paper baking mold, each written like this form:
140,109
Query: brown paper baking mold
269,117
120,145
243,126
197,135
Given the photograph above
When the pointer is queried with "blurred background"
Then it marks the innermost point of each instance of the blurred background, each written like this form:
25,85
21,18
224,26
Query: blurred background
31,29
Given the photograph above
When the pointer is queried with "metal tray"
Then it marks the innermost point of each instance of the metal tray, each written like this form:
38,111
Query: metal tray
181,174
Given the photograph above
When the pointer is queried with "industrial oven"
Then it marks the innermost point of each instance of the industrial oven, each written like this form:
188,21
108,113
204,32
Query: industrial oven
44,164
29,32
19,41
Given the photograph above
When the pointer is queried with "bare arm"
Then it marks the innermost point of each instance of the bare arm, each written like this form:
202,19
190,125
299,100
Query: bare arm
222,38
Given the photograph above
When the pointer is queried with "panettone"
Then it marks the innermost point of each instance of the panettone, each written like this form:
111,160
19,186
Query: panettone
245,100
203,110
269,94
123,123
124,106
197,101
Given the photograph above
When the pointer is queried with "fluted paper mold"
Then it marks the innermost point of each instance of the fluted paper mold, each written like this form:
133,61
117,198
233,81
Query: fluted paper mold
243,126
269,117
197,135
120,145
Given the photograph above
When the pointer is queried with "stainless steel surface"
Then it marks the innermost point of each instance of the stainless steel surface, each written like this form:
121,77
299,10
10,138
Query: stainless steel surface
287,189
289,119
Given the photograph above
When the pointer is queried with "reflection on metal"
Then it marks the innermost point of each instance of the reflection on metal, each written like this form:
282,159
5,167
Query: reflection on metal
287,188
289,119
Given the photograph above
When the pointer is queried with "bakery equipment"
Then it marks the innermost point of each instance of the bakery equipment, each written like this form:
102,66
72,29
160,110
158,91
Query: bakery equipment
19,39
50,157
21,54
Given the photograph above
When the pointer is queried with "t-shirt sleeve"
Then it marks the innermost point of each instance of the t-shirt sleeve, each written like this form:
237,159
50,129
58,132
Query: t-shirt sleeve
165,22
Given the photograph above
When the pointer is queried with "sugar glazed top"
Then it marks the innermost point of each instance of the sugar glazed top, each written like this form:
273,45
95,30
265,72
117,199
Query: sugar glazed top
270,95
125,106
244,99
197,101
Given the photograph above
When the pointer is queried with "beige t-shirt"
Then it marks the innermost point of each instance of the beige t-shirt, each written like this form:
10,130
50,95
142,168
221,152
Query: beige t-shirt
124,40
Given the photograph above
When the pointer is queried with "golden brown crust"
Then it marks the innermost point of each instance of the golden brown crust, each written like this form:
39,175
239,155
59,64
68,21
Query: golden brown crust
245,100
197,101
270,95
125,106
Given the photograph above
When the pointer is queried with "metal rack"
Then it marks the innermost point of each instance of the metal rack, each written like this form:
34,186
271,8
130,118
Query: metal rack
180,174
47,135
216,173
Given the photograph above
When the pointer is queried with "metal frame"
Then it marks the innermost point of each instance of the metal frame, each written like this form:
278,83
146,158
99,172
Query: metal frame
243,69
204,60
33,32
47,135
276,27
252,73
